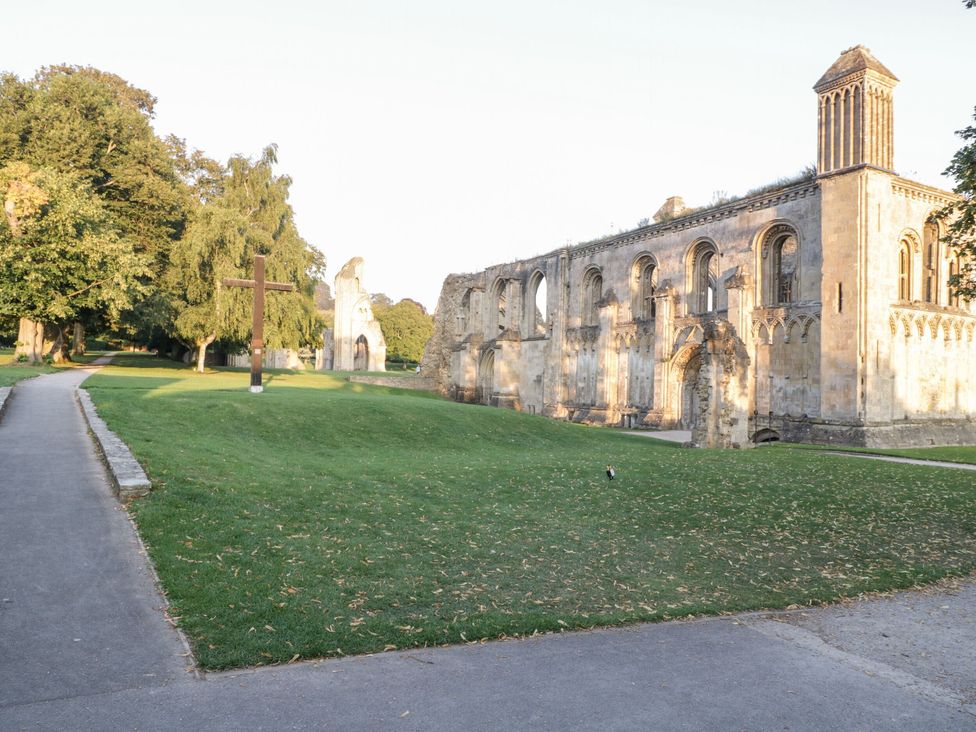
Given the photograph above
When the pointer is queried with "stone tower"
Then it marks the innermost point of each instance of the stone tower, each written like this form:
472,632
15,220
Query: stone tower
856,119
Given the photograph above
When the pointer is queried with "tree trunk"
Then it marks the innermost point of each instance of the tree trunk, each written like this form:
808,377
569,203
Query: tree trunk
78,340
38,341
202,352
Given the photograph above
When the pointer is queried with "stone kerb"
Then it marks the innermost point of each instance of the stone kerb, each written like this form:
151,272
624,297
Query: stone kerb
4,396
127,475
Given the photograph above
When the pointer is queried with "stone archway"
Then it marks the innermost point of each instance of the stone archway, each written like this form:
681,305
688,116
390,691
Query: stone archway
486,377
690,405
360,361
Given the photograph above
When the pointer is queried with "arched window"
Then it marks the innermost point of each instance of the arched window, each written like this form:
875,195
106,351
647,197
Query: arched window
905,271
930,263
955,270
592,294
536,305
499,307
704,276
780,266
643,284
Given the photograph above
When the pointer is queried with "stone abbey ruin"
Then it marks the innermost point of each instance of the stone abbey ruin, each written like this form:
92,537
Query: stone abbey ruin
815,311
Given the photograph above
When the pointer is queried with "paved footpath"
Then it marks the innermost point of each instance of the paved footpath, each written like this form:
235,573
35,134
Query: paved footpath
84,645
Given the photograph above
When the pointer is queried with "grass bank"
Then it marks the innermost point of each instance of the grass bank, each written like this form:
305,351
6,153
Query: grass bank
323,518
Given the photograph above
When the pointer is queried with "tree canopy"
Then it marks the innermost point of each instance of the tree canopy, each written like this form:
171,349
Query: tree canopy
93,200
106,223
960,216
406,329
250,216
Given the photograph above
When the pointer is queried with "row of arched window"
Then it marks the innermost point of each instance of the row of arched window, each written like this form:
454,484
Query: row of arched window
928,288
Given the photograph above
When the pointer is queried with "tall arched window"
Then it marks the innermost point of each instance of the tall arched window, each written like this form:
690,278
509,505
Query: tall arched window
499,307
780,266
955,269
643,284
536,305
905,271
930,263
704,278
592,294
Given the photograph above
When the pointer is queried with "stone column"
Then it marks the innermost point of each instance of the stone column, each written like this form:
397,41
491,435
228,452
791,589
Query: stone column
664,304
722,389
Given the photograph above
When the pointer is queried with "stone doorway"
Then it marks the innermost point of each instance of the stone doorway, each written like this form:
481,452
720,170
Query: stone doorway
690,401
360,361
486,377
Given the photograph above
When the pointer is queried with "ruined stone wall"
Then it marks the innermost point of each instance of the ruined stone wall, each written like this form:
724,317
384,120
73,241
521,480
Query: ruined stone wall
355,325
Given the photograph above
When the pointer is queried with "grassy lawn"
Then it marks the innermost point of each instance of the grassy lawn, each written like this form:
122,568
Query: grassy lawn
11,372
950,454
323,518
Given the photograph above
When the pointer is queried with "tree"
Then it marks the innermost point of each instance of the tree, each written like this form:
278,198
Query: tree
91,131
60,256
960,215
406,329
380,300
251,215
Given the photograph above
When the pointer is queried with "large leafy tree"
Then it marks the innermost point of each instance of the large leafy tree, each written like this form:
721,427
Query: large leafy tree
406,329
93,128
60,256
960,216
251,215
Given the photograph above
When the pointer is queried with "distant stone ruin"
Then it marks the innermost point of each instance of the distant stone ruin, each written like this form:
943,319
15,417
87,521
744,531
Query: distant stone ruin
358,340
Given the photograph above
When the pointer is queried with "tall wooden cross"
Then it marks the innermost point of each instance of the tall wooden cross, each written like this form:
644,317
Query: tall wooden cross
257,323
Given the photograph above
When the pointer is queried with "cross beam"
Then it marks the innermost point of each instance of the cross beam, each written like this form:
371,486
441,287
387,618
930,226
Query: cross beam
259,285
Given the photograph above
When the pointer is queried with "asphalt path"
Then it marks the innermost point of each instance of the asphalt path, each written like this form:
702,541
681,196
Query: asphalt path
84,643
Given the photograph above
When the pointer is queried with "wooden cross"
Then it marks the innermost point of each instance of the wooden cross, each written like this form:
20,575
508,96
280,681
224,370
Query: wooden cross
257,323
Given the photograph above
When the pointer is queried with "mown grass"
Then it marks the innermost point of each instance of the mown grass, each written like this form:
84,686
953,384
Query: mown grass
11,372
947,453
323,518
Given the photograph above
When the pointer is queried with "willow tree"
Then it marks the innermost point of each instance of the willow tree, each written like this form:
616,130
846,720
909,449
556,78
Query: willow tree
251,215
94,130
60,255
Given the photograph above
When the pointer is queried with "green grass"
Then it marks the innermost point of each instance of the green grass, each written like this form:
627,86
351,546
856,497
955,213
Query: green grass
950,453
324,518
11,372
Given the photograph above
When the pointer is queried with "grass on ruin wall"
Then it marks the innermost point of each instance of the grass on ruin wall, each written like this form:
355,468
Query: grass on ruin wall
323,518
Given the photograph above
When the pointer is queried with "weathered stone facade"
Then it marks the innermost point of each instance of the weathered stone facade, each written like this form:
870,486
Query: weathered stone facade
816,311
358,340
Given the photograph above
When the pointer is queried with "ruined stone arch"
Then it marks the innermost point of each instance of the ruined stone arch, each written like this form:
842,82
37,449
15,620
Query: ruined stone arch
702,268
778,248
908,246
498,307
592,294
686,366
931,262
536,304
464,314
486,376
643,285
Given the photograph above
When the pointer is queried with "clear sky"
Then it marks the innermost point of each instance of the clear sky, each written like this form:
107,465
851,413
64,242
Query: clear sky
439,136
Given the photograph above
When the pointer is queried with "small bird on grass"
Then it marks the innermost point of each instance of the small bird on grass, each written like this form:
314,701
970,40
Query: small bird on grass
611,473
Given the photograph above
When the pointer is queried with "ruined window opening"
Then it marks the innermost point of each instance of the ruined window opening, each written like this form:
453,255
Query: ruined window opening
955,270
840,298
537,307
905,272
592,294
704,277
464,314
780,267
644,286
499,307
930,264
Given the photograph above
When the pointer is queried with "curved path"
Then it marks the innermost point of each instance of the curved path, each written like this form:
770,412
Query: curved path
84,643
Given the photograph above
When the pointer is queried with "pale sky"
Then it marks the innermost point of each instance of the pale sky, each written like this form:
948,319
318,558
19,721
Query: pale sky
439,136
